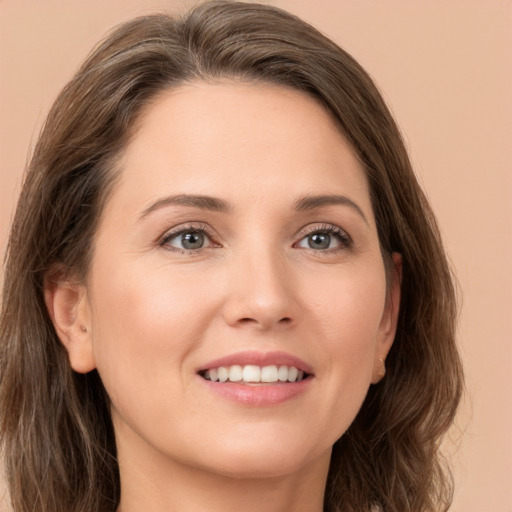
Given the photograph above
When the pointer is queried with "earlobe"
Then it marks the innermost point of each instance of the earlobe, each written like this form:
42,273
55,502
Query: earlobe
389,321
68,308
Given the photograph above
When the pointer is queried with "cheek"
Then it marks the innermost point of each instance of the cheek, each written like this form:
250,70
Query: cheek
144,325
349,305
347,316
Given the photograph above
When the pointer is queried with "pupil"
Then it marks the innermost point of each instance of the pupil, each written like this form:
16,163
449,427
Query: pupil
192,240
319,241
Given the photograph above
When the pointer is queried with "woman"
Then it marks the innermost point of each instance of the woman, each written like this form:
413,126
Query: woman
224,287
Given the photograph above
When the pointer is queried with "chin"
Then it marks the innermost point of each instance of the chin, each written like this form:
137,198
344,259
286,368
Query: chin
264,460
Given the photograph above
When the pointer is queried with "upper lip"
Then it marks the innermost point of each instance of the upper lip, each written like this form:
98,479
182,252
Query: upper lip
252,357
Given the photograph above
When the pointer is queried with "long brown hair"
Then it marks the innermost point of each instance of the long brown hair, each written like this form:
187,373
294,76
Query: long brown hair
55,427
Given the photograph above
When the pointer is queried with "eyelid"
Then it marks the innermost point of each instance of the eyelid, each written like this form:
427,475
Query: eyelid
343,236
185,228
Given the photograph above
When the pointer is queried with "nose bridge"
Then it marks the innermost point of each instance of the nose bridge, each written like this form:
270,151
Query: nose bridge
261,287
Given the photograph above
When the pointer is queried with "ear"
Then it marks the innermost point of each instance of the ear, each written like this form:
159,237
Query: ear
69,311
389,321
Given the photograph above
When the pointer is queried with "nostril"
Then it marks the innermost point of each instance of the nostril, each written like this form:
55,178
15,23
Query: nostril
247,320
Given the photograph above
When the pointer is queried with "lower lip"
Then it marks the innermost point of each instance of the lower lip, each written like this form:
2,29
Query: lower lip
263,395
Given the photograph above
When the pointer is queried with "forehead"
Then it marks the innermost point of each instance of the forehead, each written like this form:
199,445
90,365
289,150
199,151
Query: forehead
246,141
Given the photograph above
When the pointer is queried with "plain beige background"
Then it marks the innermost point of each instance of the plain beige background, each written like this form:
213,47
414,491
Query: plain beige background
445,68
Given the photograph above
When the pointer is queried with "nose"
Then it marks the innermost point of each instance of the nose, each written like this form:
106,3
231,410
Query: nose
262,292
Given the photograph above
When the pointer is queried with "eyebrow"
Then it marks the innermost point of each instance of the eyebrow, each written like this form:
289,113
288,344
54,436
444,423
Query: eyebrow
312,202
220,205
197,201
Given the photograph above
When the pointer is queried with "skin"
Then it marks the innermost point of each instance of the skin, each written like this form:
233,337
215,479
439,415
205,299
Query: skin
151,313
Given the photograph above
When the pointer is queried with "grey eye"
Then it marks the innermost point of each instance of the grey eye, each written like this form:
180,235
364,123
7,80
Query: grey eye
192,240
323,240
187,240
319,241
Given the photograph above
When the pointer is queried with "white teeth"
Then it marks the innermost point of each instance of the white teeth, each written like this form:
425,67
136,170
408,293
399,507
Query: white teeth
282,374
223,374
269,374
253,373
235,373
292,374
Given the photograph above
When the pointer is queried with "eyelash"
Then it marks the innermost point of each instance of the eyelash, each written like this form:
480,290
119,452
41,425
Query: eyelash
329,229
190,228
342,236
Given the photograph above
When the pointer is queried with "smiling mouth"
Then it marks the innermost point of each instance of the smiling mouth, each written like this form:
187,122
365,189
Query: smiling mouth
254,375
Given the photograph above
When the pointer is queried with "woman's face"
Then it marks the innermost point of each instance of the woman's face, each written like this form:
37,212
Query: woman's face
239,243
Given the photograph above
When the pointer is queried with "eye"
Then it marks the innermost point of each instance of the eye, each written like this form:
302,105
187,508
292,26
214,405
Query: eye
188,239
325,238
